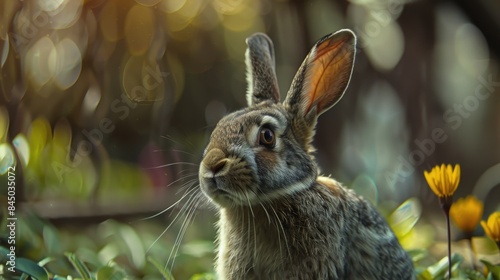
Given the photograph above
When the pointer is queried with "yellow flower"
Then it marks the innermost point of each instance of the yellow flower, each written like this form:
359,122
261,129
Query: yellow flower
466,213
492,227
443,180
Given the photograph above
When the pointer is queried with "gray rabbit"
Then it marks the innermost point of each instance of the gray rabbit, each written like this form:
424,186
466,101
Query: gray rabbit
279,219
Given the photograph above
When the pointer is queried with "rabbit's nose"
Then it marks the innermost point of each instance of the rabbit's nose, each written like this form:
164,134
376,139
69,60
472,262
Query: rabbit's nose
214,163
218,166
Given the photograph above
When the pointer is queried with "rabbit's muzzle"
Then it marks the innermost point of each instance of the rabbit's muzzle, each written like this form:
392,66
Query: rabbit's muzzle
215,164
224,179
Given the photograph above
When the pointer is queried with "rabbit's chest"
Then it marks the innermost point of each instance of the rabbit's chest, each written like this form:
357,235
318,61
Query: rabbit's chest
278,247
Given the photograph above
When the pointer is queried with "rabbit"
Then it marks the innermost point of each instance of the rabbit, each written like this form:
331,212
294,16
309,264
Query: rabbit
278,218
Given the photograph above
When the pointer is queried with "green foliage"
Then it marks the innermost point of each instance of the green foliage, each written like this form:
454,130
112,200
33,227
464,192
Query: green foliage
494,270
204,276
117,250
167,275
54,170
111,250
438,270
79,266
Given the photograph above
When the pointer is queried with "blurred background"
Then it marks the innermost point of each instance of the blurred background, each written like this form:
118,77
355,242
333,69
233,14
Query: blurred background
106,105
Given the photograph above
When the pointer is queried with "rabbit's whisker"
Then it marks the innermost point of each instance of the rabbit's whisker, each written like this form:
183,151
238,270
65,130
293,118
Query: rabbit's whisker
168,208
254,233
183,152
171,139
187,185
278,221
171,164
189,193
249,204
183,171
181,179
267,213
187,220
252,223
173,150
170,150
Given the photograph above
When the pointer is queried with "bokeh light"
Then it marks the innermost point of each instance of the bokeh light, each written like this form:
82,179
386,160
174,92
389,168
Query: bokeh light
139,29
39,66
66,63
22,148
7,158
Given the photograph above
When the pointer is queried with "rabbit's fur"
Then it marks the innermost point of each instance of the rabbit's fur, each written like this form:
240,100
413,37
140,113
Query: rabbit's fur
278,218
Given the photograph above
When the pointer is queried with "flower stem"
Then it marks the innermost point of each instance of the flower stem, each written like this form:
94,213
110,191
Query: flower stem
472,256
446,203
449,243
498,245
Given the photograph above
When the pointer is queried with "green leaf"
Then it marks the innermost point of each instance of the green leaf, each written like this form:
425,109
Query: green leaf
3,252
109,273
471,274
45,261
484,245
404,218
417,254
493,269
167,275
52,240
203,276
31,268
79,266
425,275
134,245
57,277
439,269
105,273
198,248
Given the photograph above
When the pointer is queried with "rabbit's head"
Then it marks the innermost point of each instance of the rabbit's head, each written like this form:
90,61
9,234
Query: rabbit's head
263,152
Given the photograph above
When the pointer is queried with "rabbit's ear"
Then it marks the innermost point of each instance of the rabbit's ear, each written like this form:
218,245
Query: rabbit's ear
323,76
261,77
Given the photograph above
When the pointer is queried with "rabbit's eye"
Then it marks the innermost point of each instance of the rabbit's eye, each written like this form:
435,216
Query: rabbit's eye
266,137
